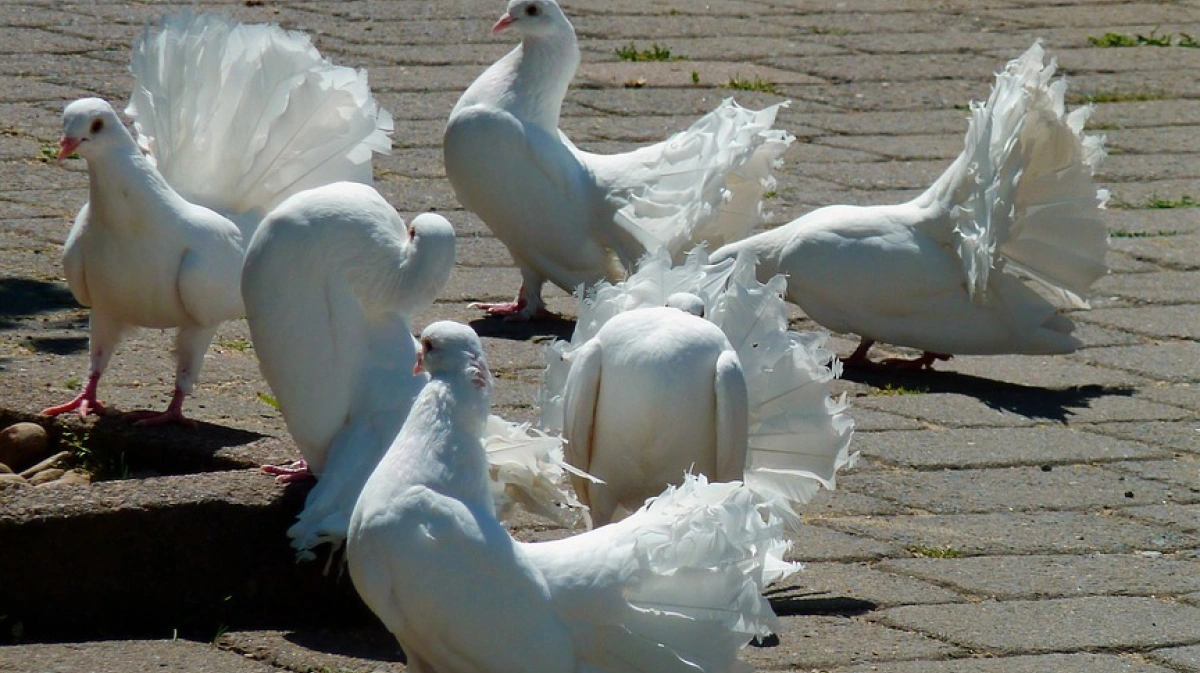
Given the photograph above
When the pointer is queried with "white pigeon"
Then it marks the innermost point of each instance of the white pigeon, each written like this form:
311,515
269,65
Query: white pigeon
644,392
944,272
657,391
572,217
331,280
230,120
673,588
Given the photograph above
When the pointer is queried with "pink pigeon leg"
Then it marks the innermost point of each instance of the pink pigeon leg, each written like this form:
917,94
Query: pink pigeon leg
173,414
925,361
521,309
85,402
286,474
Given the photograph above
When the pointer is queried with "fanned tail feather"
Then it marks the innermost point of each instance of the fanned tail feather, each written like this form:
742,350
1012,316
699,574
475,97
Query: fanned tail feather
689,568
799,434
527,469
239,117
704,184
1021,195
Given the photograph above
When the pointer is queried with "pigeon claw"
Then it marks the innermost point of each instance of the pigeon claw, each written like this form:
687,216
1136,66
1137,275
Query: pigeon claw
84,403
286,474
514,311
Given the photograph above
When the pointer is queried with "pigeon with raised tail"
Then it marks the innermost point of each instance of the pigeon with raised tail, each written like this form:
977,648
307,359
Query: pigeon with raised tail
572,217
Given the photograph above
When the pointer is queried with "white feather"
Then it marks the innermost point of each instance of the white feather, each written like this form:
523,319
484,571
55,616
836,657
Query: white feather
944,272
582,217
795,436
231,119
674,587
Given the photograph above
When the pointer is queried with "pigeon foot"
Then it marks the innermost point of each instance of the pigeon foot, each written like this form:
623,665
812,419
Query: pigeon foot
286,474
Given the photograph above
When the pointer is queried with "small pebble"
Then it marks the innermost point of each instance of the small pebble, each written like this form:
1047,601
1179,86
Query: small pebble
22,445
10,480
71,478
46,464
46,476
4,469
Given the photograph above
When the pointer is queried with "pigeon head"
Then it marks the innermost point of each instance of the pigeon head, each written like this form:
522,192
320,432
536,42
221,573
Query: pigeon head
450,350
687,302
89,124
533,18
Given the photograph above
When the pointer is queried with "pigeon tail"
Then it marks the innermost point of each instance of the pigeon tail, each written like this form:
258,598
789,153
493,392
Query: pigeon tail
681,580
799,435
704,184
1021,194
239,117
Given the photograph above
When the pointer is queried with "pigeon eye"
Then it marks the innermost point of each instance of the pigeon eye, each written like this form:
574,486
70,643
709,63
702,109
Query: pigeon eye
533,10
426,345
97,125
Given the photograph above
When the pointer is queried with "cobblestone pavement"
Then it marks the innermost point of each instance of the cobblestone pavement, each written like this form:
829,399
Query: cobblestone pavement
1009,515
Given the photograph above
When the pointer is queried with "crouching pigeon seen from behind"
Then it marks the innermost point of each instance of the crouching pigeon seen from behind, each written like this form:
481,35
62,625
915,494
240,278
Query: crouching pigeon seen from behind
674,587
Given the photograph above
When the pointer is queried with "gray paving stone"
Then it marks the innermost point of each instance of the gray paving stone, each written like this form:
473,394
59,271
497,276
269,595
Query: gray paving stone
818,543
1019,533
1180,517
1177,322
827,586
122,656
1172,361
1186,659
1059,663
815,643
1059,576
1178,473
998,447
1063,625
1065,487
1177,436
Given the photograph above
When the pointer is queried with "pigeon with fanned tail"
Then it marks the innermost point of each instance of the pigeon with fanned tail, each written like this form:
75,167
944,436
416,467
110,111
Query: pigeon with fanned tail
676,587
646,389
572,217
331,280
946,272
230,119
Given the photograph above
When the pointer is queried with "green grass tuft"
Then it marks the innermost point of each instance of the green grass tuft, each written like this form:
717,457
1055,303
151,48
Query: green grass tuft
1118,97
630,52
756,84
1110,40
945,551
240,345
269,400
1121,233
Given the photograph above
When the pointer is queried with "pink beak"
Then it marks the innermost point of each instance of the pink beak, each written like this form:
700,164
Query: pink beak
504,22
66,146
419,367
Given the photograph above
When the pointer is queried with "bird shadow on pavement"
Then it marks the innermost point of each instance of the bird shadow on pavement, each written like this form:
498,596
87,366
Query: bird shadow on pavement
119,448
25,297
1054,404
372,642
499,328
787,601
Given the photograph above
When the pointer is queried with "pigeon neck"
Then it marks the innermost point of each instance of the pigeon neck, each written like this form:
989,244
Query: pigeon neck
123,181
427,262
543,68
449,459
